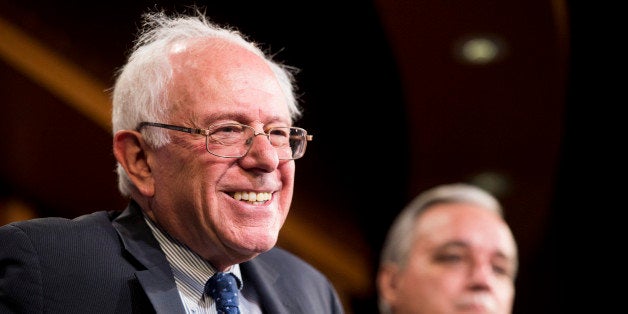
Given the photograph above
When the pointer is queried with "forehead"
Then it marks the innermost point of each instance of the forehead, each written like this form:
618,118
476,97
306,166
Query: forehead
479,228
215,75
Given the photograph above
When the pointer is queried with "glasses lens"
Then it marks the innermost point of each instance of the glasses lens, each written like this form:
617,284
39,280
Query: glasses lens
289,142
297,142
229,140
234,140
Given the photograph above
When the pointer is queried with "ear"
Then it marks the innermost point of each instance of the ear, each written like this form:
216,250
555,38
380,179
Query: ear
386,283
130,151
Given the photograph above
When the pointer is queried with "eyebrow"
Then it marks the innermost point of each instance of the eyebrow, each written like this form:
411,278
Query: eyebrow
452,244
466,245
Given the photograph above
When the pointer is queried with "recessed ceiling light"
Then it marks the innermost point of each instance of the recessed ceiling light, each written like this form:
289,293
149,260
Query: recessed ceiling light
479,50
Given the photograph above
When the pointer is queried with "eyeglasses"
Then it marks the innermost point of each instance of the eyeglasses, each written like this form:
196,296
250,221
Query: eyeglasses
234,140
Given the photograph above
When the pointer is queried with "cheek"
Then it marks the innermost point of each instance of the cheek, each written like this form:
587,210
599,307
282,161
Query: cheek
421,274
170,175
287,170
182,160
414,289
414,279
506,292
415,273
287,173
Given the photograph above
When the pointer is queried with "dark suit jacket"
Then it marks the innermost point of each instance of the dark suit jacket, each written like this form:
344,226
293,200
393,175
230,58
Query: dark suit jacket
109,262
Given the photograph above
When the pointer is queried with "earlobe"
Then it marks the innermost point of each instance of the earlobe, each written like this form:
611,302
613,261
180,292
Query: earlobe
129,149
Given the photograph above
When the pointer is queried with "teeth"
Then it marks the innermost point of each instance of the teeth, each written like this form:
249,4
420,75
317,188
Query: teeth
252,197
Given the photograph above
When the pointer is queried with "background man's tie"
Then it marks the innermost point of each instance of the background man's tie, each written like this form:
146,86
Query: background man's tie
223,288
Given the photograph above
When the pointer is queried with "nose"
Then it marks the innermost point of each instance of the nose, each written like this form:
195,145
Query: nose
261,154
480,274
256,134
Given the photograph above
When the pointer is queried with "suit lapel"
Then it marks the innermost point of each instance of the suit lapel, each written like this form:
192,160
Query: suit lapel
262,279
157,279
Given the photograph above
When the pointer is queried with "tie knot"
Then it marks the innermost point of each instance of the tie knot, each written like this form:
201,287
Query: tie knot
223,288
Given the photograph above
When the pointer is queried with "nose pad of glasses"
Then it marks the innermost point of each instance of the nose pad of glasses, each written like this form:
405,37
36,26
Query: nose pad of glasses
249,141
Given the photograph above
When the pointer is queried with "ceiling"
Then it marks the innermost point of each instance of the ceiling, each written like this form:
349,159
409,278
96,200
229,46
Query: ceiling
392,106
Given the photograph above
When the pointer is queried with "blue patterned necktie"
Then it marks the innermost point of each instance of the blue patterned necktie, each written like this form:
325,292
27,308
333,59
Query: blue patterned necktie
223,288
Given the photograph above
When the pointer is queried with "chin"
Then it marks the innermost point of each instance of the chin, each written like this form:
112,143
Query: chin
261,242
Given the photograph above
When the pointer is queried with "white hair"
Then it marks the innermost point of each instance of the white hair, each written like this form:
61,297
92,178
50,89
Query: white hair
140,92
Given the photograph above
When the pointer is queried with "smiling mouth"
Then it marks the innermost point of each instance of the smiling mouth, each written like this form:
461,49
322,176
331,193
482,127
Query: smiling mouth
252,197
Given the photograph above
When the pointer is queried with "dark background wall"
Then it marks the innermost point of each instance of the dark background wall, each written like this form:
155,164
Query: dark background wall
393,108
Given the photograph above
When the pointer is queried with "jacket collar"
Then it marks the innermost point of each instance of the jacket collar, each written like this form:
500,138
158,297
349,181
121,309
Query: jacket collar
156,278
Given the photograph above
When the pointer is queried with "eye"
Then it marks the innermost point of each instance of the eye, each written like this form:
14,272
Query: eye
279,137
228,133
499,270
503,268
227,128
280,132
448,258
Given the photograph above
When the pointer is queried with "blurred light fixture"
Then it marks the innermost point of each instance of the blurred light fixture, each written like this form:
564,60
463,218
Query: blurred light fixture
479,50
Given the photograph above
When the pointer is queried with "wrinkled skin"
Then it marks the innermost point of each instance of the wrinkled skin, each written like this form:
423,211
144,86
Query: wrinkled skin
186,190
